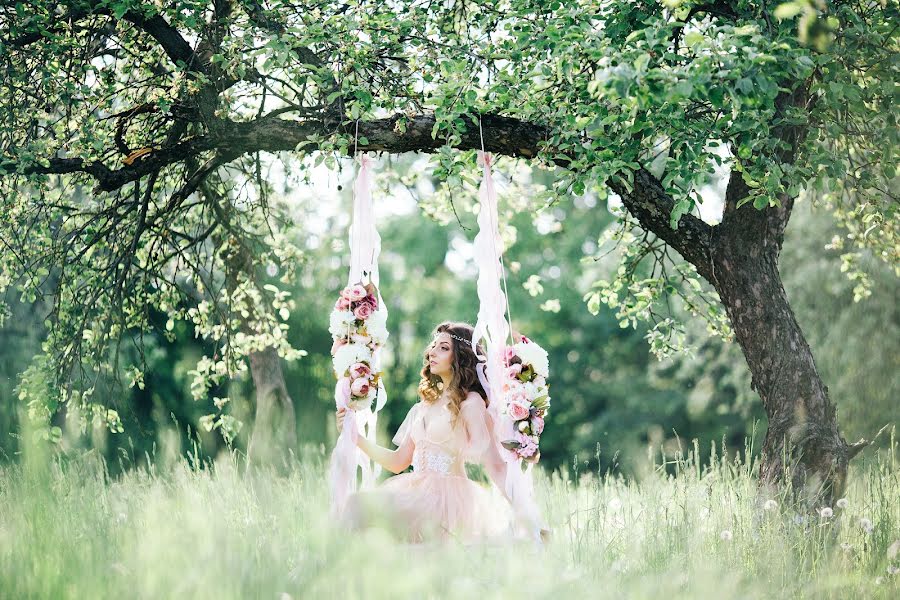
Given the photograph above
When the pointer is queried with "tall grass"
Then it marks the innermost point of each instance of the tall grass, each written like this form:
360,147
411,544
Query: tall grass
68,530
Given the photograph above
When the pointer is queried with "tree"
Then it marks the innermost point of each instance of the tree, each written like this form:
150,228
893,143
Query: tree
148,102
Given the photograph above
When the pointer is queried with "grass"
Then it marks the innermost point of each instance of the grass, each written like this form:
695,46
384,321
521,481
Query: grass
68,530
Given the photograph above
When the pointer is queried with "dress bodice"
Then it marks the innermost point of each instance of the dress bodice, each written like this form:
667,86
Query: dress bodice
440,445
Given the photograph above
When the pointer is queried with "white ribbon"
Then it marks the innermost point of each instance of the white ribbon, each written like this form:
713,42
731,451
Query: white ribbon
365,246
493,326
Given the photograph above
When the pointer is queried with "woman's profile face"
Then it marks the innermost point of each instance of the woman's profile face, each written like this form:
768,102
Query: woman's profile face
440,354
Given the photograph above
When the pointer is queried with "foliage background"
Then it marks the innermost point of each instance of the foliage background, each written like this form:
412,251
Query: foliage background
612,399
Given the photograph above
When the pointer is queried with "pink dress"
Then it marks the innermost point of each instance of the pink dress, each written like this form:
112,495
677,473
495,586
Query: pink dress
437,500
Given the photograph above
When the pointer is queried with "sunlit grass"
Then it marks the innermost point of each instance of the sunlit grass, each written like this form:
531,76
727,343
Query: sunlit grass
71,531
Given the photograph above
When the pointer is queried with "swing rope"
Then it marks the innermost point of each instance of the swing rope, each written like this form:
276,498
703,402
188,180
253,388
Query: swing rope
496,227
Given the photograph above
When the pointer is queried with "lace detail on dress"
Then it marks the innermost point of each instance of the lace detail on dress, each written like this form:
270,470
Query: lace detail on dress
429,459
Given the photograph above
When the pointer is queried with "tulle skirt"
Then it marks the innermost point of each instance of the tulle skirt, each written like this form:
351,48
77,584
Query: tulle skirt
425,506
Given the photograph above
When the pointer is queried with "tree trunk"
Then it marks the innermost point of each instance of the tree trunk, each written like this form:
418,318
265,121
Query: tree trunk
803,446
273,440
274,436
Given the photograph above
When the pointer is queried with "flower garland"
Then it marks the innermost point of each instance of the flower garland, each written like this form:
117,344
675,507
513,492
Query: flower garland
358,329
527,397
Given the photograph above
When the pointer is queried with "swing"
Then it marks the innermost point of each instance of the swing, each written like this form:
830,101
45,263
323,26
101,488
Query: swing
514,377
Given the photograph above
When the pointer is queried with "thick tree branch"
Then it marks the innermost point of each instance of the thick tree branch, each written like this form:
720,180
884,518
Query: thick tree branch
648,201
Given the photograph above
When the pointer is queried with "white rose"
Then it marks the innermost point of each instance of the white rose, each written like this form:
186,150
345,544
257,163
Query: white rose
349,354
376,326
340,322
534,355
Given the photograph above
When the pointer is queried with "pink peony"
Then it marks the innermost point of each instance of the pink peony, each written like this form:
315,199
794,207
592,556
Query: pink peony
371,299
513,370
518,411
363,311
360,387
518,394
342,304
358,370
356,293
527,450
537,425
528,447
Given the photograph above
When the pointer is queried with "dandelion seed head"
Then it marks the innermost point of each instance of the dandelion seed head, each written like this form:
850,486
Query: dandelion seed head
866,525
893,570
842,503
726,535
825,512
615,504
770,505
893,550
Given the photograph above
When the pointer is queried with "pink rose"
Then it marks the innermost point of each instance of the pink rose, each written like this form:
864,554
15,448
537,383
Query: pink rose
517,411
371,299
358,370
356,293
363,311
360,387
513,370
537,425
342,304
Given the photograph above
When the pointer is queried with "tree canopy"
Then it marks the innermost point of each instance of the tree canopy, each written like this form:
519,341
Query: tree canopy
165,111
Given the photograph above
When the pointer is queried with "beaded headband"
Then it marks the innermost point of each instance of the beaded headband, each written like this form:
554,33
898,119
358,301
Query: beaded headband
464,341
456,337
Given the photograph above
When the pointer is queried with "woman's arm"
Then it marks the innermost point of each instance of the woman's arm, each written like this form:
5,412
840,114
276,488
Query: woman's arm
394,461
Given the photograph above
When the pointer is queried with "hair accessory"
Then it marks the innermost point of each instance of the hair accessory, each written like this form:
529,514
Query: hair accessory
456,337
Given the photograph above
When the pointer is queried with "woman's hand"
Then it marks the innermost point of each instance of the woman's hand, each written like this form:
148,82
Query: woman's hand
339,418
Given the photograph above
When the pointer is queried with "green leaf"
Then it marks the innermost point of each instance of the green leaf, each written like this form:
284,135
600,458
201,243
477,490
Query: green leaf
681,207
788,10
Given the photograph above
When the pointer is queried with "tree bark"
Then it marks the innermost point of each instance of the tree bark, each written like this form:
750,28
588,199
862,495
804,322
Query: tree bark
803,445
273,440
274,436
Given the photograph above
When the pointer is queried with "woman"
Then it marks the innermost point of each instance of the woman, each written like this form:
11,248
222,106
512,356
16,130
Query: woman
448,427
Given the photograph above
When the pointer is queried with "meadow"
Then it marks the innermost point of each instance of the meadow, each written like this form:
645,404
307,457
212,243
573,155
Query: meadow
184,529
